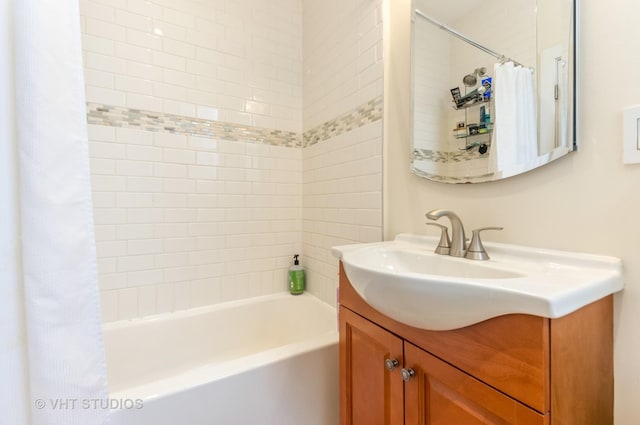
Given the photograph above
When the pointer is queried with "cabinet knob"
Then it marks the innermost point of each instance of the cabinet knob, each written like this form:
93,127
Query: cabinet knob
407,374
391,364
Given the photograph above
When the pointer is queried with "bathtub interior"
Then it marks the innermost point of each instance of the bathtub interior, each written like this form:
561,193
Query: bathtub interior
178,349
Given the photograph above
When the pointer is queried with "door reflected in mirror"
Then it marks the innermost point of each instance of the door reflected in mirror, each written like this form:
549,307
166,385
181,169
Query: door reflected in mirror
493,86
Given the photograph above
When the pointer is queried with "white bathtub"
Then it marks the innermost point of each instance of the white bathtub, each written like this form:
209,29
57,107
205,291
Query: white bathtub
269,360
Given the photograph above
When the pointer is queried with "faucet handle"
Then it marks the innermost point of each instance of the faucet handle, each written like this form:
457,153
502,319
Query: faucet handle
476,250
444,245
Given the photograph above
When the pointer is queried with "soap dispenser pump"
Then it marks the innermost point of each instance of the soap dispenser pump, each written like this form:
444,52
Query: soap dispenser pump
296,277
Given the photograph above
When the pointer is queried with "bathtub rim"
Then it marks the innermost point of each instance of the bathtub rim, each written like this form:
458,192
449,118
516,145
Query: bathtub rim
194,311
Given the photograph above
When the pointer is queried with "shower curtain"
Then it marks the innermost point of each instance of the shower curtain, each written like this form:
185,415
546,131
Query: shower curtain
52,364
514,140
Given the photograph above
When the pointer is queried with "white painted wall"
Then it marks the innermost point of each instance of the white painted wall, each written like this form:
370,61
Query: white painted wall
586,202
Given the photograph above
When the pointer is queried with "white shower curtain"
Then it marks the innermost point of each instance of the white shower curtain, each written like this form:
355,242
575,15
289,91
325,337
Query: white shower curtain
515,137
51,351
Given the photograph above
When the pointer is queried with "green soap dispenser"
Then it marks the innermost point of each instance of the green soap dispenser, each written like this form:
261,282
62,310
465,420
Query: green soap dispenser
296,277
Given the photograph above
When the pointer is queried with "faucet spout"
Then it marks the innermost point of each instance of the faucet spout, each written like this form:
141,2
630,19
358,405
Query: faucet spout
458,239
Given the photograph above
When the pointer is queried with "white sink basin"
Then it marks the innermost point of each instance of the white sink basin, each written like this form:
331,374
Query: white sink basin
405,280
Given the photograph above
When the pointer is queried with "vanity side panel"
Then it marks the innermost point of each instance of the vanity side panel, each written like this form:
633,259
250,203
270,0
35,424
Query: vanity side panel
582,366
509,353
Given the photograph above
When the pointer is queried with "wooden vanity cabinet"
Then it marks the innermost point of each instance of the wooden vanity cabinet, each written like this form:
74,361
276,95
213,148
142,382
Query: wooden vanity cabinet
369,393
514,369
440,394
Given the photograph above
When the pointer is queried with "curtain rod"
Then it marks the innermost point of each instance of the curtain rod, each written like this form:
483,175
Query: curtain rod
453,32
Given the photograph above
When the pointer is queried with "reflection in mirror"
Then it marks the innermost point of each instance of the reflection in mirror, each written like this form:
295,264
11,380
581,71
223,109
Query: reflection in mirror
492,87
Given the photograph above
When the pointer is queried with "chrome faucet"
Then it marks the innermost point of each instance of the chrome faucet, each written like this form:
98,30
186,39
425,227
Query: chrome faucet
458,239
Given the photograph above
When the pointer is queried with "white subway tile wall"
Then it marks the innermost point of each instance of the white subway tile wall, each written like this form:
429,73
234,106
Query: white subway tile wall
343,65
236,61
183,221
342,182
342,201
430,120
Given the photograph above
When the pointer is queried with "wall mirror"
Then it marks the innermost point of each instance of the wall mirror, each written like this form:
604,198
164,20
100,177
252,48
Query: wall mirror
493,86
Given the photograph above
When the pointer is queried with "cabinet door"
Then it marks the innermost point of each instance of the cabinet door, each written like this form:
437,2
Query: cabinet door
440,394
370,394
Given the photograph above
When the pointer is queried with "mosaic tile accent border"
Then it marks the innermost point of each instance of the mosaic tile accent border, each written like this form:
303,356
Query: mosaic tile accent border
364,114
116,116
441,157
444,157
